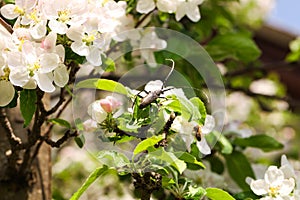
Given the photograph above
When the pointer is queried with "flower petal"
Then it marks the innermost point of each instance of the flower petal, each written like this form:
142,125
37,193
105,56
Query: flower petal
61,76
287,187
203,146
208,125
58,27
8,11
145,6
44,81
259,187
193,12
274,176
7,91
48,62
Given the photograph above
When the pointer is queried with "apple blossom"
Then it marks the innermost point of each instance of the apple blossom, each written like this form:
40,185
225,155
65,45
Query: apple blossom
96,111
274,185
30,67
62,14
190,8
110,104
21,8
186,130
149,43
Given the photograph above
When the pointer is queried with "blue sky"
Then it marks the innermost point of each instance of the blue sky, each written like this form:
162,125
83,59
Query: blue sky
286,15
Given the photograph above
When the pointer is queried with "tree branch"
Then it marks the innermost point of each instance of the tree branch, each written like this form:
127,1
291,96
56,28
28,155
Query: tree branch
6,25
60,141
14,141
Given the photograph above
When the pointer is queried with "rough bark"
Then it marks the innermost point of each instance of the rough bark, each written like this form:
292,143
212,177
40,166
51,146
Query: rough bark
35,183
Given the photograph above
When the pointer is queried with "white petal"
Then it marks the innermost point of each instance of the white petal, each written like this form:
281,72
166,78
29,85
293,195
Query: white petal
7,92
58,27
193,12
153,85
31,84
259,187
44,81
168,6
75,33
61,76
80,48
48,62
203,146
181,11
39,30
60,50
145,6
188,139
19,76
96,112
208,125
8,11
287,186
274,176
94,57
49,42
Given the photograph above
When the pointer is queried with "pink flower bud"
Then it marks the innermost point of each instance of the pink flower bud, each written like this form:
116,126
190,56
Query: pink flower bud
110,104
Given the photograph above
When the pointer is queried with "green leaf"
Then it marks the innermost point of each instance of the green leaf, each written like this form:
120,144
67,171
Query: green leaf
149,142
14,101
201,107
60,122
27,105
169,158
192,162
92,177
167,182
239,169
195,193
233,46
80,140
263,142
248,195
109,65
113,159
102,84
79,124
218,194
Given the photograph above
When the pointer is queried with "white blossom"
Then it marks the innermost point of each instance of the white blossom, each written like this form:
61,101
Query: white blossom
31,67
62,14
187,131
190,8
274,185
150,43
96,112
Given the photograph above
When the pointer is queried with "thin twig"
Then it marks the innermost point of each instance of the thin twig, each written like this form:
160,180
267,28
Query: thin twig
6,25
60,141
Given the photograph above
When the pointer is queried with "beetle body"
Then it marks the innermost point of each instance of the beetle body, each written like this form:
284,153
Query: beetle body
150,98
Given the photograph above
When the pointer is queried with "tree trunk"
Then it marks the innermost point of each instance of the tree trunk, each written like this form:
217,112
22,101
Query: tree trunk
36,182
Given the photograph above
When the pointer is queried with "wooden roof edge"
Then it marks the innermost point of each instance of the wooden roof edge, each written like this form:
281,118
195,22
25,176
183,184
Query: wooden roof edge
275,35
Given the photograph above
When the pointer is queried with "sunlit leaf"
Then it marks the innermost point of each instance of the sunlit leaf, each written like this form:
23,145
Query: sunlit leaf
145,144
102,84
218,194
92,177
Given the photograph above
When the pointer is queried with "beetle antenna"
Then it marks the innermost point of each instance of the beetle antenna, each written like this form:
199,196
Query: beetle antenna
173,65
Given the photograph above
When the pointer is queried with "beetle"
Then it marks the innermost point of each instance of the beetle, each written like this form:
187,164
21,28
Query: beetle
153,95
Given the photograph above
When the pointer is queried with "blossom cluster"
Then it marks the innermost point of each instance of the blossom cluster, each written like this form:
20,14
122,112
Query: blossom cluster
278,183
190,8
33,56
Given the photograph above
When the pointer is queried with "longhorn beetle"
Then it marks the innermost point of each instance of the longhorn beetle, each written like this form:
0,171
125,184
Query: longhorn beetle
153,95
